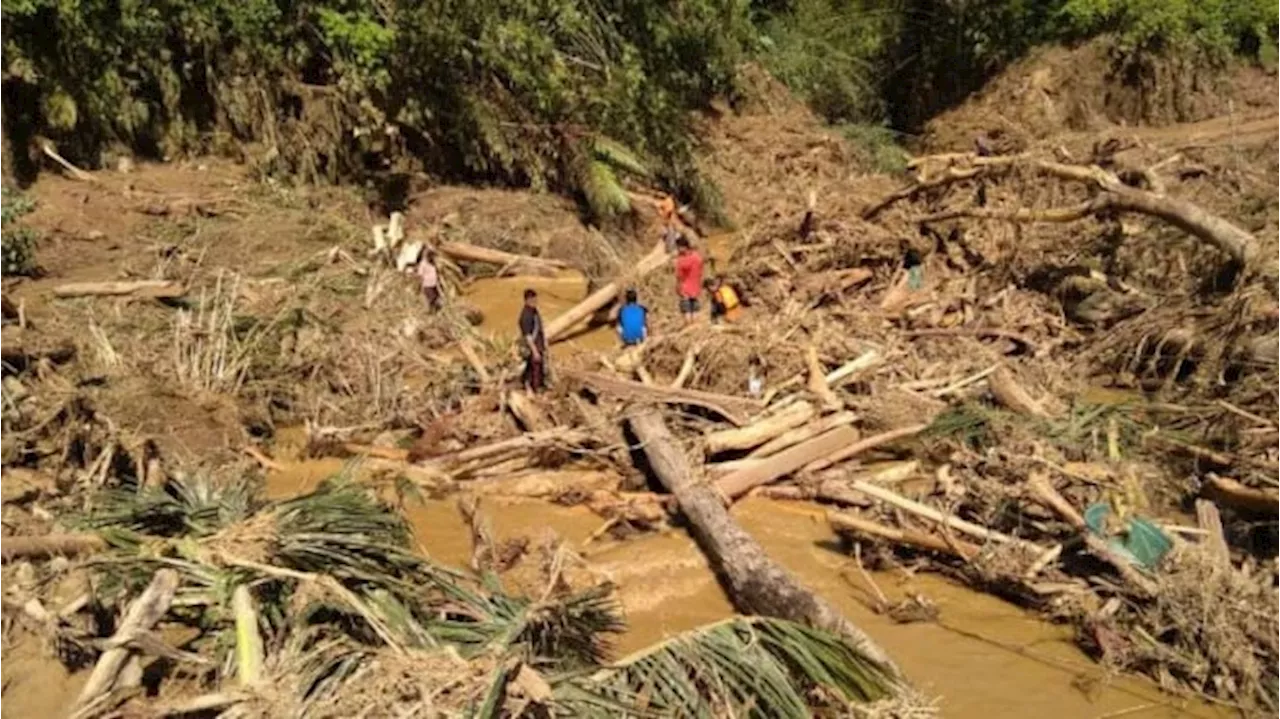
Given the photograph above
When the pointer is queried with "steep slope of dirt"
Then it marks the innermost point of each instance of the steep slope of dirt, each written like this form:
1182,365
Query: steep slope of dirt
1090,88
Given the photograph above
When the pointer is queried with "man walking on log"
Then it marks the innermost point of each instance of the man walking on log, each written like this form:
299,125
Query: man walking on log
633,321
688,279
533,344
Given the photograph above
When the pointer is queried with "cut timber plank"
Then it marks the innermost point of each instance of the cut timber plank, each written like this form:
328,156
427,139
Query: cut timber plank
158,289
1210,520
757,433
734,409
789,460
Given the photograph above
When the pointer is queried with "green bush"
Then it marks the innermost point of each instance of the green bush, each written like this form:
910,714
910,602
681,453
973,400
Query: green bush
1222,27
17,241
831,52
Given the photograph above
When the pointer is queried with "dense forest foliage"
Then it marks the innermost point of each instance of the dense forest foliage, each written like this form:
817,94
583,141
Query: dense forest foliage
555,94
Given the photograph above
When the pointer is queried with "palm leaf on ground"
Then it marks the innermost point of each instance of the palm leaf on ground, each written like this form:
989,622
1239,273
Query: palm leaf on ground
752,666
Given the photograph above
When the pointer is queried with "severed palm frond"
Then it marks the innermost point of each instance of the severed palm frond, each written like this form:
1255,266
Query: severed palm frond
618,157
570,632
198,505
600,187
746,666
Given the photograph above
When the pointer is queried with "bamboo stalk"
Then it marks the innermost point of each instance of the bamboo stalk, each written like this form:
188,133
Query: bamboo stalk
249,652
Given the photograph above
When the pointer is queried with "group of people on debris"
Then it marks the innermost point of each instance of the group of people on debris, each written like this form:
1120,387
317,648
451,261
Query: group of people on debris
632,317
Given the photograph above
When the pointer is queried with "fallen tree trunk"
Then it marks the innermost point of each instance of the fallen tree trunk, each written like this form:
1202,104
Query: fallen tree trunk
156,289
602,297
734,409
1115,195
50,545
767,470
1233,494
18,354
755,583
461,251
759,432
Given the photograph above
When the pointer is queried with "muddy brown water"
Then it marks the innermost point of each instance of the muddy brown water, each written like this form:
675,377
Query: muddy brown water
983,657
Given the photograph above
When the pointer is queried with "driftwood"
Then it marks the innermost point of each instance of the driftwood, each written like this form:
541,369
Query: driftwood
519,444
141,616
911,506
1230,493
20,350
469,352
976,332
461,251
1114,195
1009,393
759,432
604,296
818,381
734,409
789,460
802,434
1210,521
157,289
845,524
50,545
852,450
755,583
528,413
47,148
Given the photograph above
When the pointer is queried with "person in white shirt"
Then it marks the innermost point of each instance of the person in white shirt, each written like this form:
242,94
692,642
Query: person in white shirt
429,276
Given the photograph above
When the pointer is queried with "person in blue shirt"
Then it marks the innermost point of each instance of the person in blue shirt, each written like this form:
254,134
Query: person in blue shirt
633,321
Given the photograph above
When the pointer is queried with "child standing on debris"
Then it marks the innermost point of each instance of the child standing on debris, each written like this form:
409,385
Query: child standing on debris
429,276
688,279
533,344
724,300
633,321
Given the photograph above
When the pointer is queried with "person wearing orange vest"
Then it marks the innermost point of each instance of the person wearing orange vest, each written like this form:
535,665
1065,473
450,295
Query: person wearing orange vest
724,300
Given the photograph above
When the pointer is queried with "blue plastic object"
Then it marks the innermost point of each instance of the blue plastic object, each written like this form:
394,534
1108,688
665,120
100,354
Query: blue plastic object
1143,544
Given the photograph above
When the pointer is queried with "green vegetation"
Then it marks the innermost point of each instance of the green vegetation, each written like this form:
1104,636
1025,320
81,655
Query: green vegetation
343,602
525,93
17,241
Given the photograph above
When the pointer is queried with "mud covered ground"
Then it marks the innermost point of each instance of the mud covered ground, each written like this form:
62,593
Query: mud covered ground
291,340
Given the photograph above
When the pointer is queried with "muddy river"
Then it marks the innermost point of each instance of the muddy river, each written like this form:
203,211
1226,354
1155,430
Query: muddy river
983,657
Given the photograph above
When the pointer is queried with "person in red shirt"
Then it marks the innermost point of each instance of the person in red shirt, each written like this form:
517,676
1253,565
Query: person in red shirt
688,279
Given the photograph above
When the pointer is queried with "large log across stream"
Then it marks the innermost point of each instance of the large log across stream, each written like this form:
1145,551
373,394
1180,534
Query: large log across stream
755,583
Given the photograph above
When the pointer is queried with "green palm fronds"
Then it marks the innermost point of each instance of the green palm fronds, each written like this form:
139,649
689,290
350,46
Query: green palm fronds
604,194
197,505
350,618
595,170
619,157
745,666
